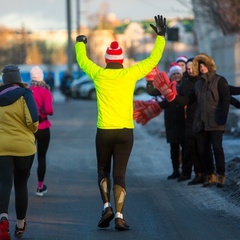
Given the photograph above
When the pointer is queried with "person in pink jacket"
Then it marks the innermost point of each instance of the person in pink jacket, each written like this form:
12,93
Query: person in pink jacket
44,100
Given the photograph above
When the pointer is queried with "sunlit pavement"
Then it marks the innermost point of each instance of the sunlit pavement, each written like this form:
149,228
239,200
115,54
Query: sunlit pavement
57,96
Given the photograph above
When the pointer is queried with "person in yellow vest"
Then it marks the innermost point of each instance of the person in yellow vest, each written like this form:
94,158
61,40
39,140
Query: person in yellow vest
114,86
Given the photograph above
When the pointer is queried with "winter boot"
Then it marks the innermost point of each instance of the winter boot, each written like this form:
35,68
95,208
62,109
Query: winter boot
211,180
197,179
183,177
220,181
174,175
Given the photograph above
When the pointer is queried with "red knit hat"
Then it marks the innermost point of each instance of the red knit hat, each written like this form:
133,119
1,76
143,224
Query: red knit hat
114,53
181,58
174,68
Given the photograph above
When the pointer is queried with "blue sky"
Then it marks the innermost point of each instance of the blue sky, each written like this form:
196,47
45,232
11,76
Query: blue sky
51,14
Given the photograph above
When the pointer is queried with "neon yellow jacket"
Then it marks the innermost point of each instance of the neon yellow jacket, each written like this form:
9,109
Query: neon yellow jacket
115,87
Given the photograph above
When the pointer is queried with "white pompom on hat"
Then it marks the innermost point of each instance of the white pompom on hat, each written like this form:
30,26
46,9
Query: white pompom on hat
36,74
174,68
114,53
181,59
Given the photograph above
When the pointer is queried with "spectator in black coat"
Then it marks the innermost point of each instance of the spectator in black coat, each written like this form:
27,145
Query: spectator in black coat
212,96
191,157
174,119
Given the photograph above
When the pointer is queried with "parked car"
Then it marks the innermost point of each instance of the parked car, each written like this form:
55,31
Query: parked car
85,88
87,91
76,85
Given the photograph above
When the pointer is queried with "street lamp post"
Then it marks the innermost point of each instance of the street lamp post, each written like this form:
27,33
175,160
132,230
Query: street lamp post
78,26
69,44
78,15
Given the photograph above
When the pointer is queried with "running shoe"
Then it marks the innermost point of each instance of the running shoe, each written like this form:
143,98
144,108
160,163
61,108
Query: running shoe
41,191
4,229
20,231
107,216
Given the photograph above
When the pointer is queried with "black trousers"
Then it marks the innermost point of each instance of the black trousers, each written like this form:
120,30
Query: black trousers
113,146
176,150
42,140
191,158
17,168
209,144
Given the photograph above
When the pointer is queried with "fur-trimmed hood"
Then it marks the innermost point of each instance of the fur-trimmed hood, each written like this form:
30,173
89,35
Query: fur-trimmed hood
203,58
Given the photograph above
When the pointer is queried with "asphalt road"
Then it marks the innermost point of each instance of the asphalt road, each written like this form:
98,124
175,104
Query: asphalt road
155,208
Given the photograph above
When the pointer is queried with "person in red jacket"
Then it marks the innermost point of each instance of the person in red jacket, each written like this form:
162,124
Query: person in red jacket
44,100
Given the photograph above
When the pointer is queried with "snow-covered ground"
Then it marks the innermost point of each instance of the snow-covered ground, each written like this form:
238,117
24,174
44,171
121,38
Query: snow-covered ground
214,198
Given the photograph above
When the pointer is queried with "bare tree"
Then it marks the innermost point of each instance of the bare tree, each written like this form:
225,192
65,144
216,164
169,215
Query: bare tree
222,14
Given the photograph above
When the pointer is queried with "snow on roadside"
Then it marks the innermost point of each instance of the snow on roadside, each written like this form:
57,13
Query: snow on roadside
225,200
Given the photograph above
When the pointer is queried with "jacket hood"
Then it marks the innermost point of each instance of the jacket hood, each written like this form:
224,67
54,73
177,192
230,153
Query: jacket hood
11,93
203,58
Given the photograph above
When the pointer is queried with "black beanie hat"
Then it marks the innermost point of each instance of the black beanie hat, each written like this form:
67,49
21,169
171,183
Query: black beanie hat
190,60
11,74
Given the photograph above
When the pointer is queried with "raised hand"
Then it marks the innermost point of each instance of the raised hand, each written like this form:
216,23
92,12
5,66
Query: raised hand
145,111
164,86
150,75
81,38
160,28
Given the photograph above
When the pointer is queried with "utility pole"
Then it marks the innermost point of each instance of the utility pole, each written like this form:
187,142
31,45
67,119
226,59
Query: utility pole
78,26
69,45
78,16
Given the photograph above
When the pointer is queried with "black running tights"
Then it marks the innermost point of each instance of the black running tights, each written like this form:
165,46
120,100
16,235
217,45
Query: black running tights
17,168
43,139
115,145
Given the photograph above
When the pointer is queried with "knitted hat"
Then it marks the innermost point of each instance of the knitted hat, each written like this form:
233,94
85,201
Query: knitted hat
11,74
181,59
174,68
190,60
114,53
36,74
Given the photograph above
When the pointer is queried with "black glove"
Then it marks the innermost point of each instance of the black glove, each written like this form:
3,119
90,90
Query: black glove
81,38
160,27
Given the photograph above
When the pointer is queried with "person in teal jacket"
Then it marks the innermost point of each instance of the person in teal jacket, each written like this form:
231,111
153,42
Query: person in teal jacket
114,86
